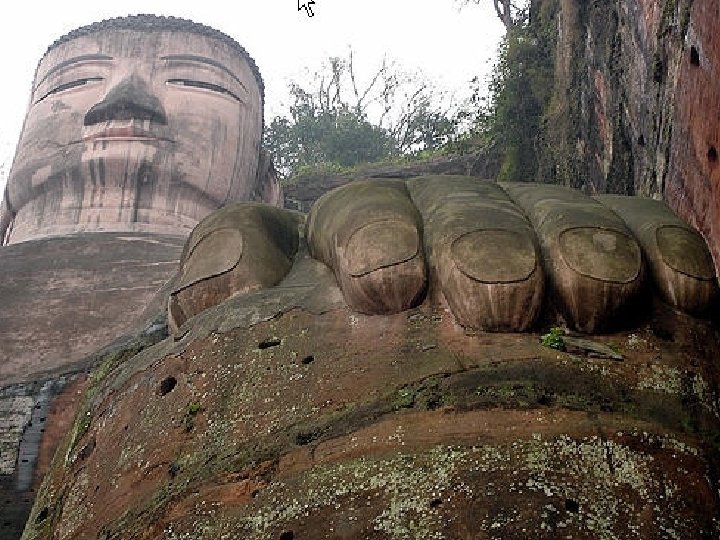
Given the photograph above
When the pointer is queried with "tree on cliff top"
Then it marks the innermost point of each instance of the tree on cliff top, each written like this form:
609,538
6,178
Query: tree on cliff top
511,13
337,120
510,122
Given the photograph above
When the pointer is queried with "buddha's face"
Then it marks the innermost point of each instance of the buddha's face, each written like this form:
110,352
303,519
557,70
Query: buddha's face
134,131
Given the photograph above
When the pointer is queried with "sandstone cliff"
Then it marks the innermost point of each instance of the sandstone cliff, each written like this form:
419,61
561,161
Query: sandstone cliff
281,414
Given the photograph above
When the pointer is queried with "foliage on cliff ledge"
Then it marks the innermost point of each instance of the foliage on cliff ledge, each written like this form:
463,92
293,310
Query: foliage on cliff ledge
339,121
509,122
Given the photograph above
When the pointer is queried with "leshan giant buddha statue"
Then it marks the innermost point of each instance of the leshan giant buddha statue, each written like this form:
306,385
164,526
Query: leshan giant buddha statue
137,127
334,380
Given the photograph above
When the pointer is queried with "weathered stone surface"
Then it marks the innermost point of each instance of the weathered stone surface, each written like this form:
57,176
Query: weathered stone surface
140,124
15,412
66,297
257,424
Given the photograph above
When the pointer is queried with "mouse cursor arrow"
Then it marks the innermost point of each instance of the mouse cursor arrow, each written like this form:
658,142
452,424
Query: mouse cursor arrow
307,7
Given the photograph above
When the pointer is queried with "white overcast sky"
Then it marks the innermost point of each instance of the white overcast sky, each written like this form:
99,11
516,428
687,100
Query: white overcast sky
448,45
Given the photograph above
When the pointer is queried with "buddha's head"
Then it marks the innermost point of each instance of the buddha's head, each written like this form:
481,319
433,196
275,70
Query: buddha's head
139,123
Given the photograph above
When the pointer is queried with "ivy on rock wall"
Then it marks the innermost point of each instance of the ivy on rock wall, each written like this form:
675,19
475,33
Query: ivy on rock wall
520,91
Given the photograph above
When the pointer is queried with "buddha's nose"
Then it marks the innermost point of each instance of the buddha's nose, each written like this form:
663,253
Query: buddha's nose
130,99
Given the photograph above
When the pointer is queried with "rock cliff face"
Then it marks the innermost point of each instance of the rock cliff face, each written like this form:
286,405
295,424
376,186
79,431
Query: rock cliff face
281,414
63,299
636,103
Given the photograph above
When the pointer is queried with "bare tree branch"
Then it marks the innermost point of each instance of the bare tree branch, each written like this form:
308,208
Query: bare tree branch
507,11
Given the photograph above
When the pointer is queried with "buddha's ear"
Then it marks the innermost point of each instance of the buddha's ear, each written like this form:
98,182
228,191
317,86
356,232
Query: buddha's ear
267,184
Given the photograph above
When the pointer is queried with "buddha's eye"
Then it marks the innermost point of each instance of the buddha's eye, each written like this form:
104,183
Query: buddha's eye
204,85
72,84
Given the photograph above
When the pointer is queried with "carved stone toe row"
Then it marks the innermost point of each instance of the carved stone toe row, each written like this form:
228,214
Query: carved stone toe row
485,249
241,248
482,252
369,233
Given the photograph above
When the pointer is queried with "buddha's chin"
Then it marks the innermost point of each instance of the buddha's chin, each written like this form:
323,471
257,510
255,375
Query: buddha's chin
110,196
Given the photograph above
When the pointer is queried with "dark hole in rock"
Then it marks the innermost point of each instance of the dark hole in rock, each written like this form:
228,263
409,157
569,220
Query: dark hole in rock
167,385
308,360
24,460
173,470
37,406
303,438
42,516
255,493
287,535
435,503
433,402
42,430
694,56
641,140
42,419
662,333
268,343
545,400
607,406
712,155
572,506
6,524
87,450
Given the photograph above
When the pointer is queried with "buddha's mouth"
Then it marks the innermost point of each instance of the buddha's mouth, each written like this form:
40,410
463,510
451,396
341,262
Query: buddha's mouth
132,131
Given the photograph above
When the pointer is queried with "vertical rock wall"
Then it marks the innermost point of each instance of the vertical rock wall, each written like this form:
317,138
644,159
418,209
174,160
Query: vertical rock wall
692,186
34,417
636,104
